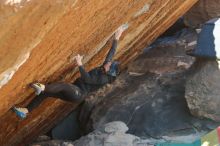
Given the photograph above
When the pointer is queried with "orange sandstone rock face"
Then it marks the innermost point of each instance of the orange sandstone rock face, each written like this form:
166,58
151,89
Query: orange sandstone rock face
38,40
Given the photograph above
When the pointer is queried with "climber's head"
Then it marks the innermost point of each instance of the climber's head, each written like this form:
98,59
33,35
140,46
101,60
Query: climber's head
112,68
107,66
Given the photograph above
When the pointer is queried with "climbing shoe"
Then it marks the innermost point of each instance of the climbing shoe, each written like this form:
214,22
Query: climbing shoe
20,112
38,87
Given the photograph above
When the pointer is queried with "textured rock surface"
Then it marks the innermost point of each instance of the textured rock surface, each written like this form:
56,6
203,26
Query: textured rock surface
201,12
111,134
150,96
9,8
115,136
68,128
38,40
203,90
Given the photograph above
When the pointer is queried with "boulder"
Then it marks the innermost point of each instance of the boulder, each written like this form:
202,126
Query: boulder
201,12
39,40
203,89
150,96
111,134
115,136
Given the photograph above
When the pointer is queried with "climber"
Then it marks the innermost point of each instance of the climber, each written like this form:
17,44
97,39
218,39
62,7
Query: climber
76,92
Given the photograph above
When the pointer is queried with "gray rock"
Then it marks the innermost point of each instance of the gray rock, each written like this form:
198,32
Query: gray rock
42,138
201,12
116,137
111,134
53,143
116,126
203,90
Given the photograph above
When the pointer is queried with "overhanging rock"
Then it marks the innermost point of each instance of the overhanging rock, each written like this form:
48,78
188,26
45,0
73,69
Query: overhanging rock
38,41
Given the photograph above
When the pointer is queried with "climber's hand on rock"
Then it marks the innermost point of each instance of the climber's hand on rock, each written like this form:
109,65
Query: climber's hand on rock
119,32
79,60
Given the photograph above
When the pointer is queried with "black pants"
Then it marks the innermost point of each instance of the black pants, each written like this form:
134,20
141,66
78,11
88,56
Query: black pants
64,91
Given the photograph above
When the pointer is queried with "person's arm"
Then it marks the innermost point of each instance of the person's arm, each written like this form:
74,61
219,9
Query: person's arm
84,74
111,52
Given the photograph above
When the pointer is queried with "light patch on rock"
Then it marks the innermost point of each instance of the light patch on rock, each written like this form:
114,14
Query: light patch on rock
116,126
68,144
8,74
74,3
135,74
183,64
198,30
218,64
193,43
144,9
186,139
216,33
18,3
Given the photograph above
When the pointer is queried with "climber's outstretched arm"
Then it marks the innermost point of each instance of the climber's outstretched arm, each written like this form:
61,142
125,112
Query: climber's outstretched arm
112,51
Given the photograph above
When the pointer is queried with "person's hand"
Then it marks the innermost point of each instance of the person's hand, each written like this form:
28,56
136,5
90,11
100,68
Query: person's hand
119,32
78,59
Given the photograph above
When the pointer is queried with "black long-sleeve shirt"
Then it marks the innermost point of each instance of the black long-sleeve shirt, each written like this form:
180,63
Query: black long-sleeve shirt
96,78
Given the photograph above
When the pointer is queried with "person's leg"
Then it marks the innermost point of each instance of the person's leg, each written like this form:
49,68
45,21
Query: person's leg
22,112
64,91
36,102
71,93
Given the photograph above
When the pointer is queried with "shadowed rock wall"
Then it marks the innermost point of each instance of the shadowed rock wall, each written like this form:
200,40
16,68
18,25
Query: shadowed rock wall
201,12
39,39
